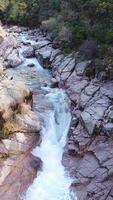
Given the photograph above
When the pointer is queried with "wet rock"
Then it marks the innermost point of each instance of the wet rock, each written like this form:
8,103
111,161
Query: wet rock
39,58
16,29
72,150
54,83
13,60
31,65
45,53
28,53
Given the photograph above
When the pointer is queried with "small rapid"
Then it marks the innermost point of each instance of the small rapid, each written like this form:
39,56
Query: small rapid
52,183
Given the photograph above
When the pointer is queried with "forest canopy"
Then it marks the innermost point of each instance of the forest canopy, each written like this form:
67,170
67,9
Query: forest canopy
71,21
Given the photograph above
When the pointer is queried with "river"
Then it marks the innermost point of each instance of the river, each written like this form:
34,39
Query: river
51,105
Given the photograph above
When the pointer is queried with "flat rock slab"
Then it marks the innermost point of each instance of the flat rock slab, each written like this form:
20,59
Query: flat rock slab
17,174
92,172
18,166
41,43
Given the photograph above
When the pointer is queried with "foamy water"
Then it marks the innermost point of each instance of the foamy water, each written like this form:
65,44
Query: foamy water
52,183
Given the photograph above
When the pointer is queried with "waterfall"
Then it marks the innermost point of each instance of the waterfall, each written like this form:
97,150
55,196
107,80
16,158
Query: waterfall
52,183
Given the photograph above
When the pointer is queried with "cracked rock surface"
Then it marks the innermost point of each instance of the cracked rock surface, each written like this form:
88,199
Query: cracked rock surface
89,151
88,154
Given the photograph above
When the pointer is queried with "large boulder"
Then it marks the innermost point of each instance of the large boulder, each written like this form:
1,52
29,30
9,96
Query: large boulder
28,52
7,46
45,53
8,52
39,58
13,59
15,109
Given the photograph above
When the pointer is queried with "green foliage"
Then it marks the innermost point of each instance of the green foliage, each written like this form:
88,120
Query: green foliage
72,21
23,12
79,34
56,5
48,8
53,26
16,12
104,35
3,5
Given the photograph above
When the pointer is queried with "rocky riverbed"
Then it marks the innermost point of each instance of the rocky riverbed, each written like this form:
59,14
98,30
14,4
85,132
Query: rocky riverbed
88,154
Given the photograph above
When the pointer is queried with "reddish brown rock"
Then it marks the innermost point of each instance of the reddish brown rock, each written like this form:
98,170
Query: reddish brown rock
88,154
20,172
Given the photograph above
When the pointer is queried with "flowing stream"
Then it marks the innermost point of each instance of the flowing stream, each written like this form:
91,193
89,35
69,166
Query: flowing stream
52,183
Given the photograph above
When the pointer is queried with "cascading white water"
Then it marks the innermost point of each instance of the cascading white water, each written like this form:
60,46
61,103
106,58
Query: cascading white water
52,183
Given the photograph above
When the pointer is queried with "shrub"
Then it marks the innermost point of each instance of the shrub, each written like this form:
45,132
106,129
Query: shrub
56,5
65,35
79,34
24,12
53,26
103,35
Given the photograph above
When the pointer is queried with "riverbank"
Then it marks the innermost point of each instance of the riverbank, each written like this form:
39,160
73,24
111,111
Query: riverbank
19,126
